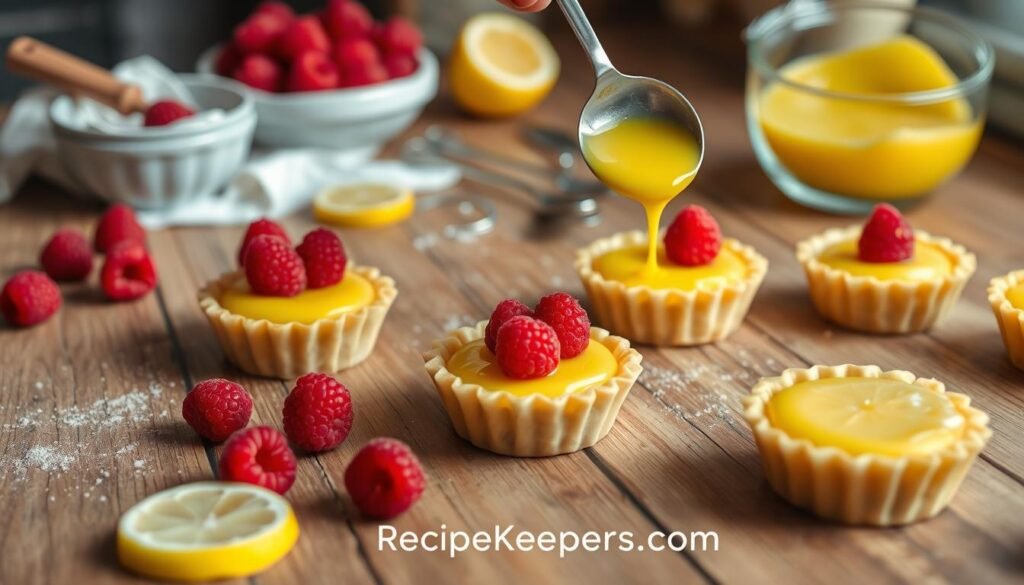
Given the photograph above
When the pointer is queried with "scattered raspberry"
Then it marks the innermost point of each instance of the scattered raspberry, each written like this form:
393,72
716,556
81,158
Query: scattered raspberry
886,237
228,58
260,33
216,408
399,65
352,54
384,478
527,348
324,258
694,237
273,268
117,225
67,256
504,311
29,298
365,75
166,112
571,324
398,35
260,456
345,19
312,71
261,227
128,272
278,10
317,413
260,72
303,35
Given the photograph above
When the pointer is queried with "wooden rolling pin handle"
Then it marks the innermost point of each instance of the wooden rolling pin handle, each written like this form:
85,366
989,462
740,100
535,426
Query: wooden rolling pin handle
31,58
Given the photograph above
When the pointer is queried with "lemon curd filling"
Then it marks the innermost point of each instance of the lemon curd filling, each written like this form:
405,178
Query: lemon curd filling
626,265
1015,294
475,364
867,416
352,293
929,262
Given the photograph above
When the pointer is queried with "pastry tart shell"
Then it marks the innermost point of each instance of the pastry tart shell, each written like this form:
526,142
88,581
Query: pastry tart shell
1010,318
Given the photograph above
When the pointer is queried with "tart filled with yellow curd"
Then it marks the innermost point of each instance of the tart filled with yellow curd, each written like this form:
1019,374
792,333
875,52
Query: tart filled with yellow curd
862,446
1006,295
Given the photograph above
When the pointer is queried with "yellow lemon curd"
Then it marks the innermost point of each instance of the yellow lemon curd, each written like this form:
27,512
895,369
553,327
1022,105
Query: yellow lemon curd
648,160
626,265
929,262
867,416
863,148
352,293
475,364
1015,295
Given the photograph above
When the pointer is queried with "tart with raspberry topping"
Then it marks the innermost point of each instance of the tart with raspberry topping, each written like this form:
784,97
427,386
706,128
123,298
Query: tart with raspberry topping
543,383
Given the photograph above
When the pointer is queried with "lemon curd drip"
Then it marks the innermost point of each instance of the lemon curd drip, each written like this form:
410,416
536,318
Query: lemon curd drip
626,265
929,261
352,293
1015,294
648,160
867,416
475,364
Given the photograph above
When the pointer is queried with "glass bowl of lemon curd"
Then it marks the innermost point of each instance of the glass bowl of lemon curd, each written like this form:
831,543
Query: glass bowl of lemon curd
853,103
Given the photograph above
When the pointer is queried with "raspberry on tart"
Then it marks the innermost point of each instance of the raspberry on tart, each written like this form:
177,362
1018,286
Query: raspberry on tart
324,257
385,478
571,323
273,268
317,413
260,227
504,311
526,348
260,456
693,238
217,408
886,237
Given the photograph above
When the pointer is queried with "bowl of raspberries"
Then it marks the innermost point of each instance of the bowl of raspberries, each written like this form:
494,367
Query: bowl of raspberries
335,78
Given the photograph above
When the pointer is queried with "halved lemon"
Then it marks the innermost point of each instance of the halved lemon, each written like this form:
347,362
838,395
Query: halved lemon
363,205
207,530
501,65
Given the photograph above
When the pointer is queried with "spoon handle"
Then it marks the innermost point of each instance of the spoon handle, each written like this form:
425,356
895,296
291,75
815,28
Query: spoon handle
585,33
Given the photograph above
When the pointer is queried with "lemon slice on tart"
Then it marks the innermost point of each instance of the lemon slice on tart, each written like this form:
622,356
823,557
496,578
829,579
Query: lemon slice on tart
363,205
205,531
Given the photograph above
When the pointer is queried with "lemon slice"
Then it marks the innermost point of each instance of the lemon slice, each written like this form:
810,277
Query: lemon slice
501,65
363,205
207,530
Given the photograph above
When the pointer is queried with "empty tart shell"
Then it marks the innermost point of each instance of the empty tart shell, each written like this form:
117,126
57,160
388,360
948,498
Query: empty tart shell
1010,318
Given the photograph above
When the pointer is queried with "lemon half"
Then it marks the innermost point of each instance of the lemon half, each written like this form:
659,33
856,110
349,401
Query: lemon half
205,531
363,205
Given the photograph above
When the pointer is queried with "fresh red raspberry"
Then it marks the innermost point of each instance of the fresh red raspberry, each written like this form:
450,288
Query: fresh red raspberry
29,298
317,413
384,478
166,112
345,19
351,54
273,268
504,311
398,35
259,33
67,256
303,35
279,10
365,75
228,59
216,408
260,456
527,348
128,272
117,225
324,257
261,72
564,314
261,227
399,65
886,237
312,71
694,237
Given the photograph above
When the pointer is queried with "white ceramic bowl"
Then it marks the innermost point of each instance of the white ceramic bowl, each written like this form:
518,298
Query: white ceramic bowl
161,167
358,118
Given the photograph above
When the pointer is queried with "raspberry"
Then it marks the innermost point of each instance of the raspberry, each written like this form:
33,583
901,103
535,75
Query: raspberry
67,256
216,408
312,71
571,324
278,10
259,33
166,112
399,65
260,72
29,298
352,54
128,272
345,19
228,58
368,74
504,311
317,413
694,237
118,224
384,478
398,35
527,348
260,227
324,258
886,237
303,35
260,456
273,268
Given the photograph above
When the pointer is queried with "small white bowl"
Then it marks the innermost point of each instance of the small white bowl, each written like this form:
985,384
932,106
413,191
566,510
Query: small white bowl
357,118
162,167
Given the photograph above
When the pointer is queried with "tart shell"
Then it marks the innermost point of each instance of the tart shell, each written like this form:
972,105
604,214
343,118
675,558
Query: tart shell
534,425
1010,318
866,489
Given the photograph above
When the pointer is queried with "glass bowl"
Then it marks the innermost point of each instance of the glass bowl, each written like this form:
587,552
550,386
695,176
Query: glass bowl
854,103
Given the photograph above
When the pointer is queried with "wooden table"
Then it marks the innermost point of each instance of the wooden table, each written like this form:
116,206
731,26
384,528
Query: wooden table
91,400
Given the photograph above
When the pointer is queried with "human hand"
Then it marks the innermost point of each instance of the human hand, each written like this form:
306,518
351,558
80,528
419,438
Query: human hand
526,5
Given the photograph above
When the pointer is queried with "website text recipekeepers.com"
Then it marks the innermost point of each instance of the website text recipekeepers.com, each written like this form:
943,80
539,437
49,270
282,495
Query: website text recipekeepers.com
508,539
